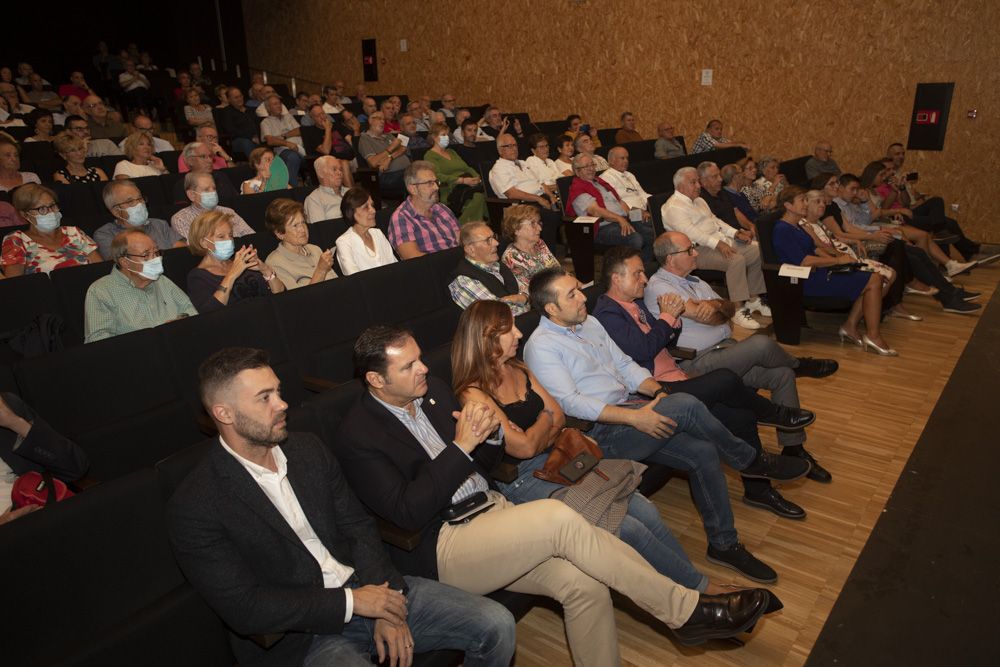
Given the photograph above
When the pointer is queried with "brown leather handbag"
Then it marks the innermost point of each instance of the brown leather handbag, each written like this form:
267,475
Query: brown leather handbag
573,455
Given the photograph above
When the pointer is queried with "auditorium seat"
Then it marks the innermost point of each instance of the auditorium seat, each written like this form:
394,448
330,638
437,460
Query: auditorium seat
97,571
71,285
24,298
795,171
251,207
116,398
177,264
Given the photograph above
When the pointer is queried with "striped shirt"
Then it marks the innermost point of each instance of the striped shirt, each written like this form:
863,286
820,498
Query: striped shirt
423,431
439,232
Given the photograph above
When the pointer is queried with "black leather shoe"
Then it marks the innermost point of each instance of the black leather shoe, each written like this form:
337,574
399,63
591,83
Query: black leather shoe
817,473
815,368
774,501
722,616
778,468
785,418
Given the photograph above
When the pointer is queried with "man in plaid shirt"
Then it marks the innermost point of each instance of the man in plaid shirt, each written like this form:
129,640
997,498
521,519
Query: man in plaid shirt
422,224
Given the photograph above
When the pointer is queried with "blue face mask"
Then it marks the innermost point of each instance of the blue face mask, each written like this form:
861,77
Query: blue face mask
209,200
48,222
151,268
443,141
224,249
138,215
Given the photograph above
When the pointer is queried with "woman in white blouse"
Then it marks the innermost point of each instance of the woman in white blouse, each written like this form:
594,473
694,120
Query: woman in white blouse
564,162
141,162
363,246
539,163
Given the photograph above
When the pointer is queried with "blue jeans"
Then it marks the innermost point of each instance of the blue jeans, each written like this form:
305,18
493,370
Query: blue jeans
242,145
440,617
642,529
641,239
293,161
699,442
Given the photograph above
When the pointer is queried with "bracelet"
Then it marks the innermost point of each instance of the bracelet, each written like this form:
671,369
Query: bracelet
222,288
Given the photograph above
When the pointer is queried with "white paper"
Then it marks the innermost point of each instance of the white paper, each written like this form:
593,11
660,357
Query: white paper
794,271
706,77
403,139
586,220
635,215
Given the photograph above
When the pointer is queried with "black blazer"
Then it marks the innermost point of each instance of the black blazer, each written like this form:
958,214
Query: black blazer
396,478
43,450
242,556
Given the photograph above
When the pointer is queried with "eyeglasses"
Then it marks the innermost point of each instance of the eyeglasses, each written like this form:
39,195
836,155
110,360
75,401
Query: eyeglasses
44,210
434,182
541,146
488,239
149,254
129,203
508,146
586,166
687,251
531,223
202,156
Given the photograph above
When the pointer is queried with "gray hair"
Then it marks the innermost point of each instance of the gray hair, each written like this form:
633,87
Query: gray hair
189,149
663,247
704,167
579,138
578,158
729,172
119,244
191,179
113,186
681,173
764,162
410,175
470,228
323,164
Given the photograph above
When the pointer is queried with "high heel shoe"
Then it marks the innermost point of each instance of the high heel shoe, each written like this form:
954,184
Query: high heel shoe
883,351
846,336
905,316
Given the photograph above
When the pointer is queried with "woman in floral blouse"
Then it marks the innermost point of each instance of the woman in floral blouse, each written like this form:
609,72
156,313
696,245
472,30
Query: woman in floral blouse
528,254
46,244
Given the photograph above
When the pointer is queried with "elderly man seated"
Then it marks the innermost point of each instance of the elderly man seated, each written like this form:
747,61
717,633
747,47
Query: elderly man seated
323,203
207,134
408,128
666,145
511,178
422,225
145,124
758,360
199,158
79,126
238,121
822,161
282,133
126,203
201,192
712,139
719,202
723,247
135,295
103,124
584,145
627,131
624,182
41,97
385,153
480,275
591,195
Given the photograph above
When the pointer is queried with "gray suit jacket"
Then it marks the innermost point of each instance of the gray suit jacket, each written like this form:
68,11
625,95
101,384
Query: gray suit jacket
251,567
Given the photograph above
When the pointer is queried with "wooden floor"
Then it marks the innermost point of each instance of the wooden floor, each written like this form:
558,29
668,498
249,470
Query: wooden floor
869,416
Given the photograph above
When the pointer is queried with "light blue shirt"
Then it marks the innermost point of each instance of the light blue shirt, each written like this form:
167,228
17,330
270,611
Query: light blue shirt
693,334
582,367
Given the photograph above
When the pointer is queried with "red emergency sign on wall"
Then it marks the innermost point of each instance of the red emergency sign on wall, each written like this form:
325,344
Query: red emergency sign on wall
927,117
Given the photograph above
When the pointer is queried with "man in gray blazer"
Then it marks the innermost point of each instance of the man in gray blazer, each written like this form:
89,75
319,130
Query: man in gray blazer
267,530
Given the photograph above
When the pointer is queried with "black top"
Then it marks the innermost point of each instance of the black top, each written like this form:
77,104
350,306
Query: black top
236,123
523,413
834,210
202,285
722,207
43,449
90,177
508,287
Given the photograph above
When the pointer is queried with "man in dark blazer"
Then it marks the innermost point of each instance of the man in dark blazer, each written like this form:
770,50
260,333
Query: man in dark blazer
406,450
28,443
267,530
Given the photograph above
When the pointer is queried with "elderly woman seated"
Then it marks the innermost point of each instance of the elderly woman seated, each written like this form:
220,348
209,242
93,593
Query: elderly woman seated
11,175
46,244
793,245
296,261
527,254
140,160
763,190
539,163
225,275
363,246
73,150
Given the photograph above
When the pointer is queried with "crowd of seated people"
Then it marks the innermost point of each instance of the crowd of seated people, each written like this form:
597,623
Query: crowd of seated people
634,393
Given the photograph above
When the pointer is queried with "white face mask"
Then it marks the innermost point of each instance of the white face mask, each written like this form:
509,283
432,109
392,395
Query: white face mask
48,222
209,200
443,141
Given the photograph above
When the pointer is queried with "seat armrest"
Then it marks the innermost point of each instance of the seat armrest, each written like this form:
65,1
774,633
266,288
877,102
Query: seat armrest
267,641
318,385
685,353
396,536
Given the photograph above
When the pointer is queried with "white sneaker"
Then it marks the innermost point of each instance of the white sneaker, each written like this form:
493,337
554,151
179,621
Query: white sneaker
954,268
757,306
742,319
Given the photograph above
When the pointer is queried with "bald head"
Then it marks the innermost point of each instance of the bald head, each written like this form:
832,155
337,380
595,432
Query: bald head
507,147
618,158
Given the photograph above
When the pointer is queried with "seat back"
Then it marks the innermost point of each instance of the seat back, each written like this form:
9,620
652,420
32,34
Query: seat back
71,285
795,170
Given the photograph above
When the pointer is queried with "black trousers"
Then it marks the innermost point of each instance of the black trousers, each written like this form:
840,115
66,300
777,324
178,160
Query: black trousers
930,217
735,405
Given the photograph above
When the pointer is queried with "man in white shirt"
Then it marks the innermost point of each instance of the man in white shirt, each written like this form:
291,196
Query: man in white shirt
510,178
323,203
268,531
332,103
720,246
624,182
281,132
145,124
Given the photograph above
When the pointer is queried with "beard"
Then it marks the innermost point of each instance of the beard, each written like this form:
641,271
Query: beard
258,433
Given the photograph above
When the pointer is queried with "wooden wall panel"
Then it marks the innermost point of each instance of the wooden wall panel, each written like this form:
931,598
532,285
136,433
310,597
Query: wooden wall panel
785,74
